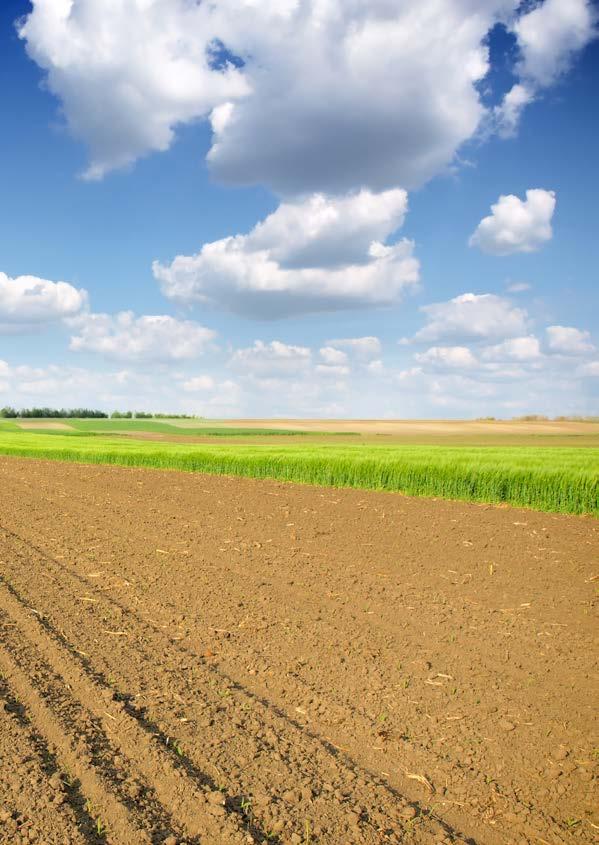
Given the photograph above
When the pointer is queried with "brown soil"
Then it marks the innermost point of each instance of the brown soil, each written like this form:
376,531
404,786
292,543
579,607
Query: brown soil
187,658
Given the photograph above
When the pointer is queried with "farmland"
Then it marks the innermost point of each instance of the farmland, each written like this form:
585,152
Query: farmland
552,478
191,658
194,650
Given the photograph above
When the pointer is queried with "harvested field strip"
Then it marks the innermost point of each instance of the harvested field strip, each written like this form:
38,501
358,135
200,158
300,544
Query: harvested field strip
561,479
303,756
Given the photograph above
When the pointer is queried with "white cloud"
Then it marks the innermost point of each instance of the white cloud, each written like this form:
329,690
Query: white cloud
331,232
330,355
207,396
550,35
199,383
128,73
274,358
316,254
590,369
518,287
28,300
569,341
376,367
65,386
508,113
447,357
515,349
362,347
332,370
389,91
149,338
302,96
472,317
516,225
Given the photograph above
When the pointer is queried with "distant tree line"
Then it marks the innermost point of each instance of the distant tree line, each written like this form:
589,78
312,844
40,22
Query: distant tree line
144,415
85,413
52,413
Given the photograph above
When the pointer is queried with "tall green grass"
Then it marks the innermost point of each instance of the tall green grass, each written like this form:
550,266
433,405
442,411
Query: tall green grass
564,480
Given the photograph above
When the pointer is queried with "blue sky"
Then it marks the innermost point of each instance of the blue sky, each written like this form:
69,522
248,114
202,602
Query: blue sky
409,207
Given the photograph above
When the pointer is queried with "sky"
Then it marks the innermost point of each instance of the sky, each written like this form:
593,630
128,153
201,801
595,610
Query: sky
314,208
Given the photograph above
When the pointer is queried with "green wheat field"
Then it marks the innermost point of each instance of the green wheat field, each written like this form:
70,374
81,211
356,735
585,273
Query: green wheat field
558,479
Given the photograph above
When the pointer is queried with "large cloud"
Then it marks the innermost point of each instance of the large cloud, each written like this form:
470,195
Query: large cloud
145,339
317,254
474,317
516,225
303,95
348,94
28,300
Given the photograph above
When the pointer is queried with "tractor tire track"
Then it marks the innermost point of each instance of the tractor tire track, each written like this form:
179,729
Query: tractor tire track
173,790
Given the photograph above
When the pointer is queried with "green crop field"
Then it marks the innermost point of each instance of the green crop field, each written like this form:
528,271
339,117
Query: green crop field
132,426
154,427
558,479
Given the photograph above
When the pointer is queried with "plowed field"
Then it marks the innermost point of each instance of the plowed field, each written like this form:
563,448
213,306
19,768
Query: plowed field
197,659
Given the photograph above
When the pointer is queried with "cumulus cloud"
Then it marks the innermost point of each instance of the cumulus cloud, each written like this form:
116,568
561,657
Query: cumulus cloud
389,91
515,349
199,383
516,225
362,347
316,254
336,370
508,113
514,375
548,37
27,300
66,386
447,357
472,317
590,369
128,73
567,340
149,338
209,396
272,359
330,355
